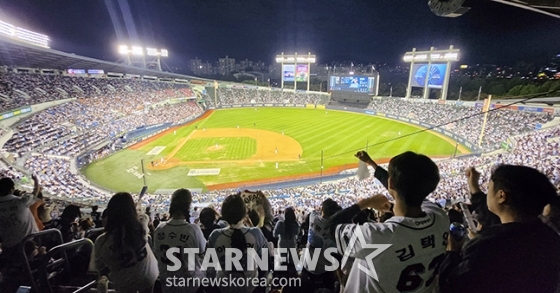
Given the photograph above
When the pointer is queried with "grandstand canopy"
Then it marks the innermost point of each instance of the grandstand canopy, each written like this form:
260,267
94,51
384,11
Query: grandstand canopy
554,101
20,54
548,7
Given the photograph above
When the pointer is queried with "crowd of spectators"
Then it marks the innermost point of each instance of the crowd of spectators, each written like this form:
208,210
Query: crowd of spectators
24,89
232,95
383,212
57,179
114,107
500,124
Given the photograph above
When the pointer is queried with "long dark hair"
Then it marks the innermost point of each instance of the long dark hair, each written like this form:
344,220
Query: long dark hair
233,211
123,223
180,203
290,222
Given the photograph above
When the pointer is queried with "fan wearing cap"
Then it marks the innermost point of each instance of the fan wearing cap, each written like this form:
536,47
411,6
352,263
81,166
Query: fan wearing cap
179,233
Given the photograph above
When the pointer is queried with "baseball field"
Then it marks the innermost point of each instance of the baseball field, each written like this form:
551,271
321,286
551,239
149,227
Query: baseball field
234,147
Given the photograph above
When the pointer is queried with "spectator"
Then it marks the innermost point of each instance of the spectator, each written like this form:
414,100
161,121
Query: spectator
208,218
122,253
44,214
67,221
318,239
96,216
286,230
195,214
414,234
84,225
518,255
178,232
237,236
17,220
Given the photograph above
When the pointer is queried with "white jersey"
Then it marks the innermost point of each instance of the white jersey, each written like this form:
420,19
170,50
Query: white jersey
129,270
410,265
16,220
221,239
180,234
318,238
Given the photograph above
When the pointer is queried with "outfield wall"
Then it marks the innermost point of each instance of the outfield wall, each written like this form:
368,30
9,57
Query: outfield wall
471,146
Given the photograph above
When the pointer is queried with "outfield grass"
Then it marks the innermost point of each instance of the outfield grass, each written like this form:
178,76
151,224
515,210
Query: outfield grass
339,134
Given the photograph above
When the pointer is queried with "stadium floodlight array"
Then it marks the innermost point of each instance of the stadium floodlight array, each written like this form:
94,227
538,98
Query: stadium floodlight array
136,55
443,55
154,52
24,35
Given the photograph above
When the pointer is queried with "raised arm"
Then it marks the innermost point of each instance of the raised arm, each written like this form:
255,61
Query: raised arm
478,199
380,174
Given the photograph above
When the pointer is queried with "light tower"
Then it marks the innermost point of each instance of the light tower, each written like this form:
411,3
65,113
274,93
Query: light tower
430,70
291,71
156,57
136,56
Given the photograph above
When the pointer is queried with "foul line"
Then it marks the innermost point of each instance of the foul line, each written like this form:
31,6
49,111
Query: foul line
180,146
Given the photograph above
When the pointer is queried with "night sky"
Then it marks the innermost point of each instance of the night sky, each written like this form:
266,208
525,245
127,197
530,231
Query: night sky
335,30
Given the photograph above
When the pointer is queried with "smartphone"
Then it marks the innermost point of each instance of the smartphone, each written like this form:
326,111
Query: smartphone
468,216
23,289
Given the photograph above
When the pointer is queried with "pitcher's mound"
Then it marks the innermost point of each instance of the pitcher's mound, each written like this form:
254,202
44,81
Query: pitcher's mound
214,148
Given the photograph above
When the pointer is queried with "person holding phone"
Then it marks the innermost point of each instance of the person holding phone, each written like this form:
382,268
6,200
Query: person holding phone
519,254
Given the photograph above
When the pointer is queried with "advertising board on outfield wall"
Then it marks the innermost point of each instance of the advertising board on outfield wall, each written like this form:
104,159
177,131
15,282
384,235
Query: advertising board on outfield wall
264,105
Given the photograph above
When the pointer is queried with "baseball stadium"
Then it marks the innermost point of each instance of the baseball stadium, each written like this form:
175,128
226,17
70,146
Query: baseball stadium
81,131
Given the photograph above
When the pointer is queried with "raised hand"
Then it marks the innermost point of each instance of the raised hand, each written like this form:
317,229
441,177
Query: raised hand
364,157
473,177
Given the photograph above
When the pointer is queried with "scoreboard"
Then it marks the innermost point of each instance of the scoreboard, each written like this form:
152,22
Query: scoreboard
360,84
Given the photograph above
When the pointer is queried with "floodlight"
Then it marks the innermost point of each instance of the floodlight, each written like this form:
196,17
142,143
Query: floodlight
451,56
164,53
24,35
137,51
421,57
279,59
407,58
151,52
435,56
123,49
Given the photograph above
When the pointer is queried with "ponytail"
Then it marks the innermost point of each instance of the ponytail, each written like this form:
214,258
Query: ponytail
233,211
238,240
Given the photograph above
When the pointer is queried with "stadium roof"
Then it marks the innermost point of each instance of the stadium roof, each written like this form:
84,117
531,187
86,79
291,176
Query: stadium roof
548,7
20,54
548,101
